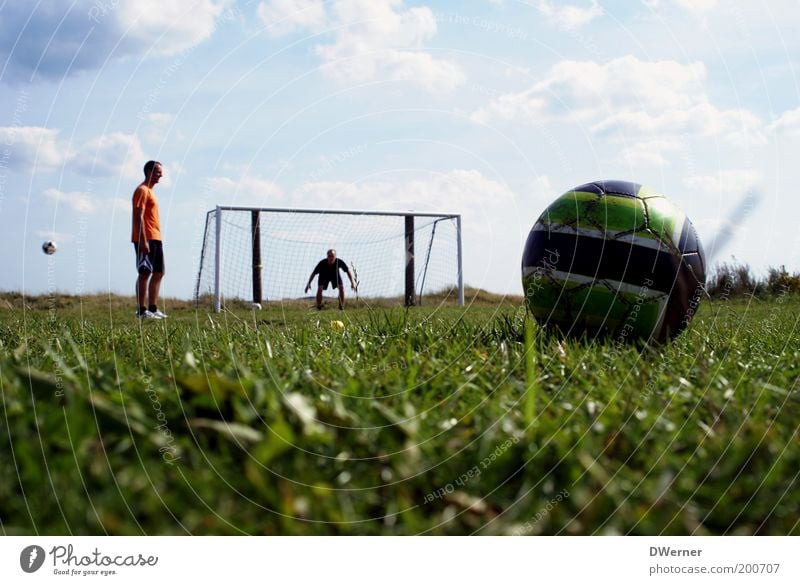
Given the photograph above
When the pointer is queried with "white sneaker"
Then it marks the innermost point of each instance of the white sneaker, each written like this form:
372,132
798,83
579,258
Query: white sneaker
158,314
147,315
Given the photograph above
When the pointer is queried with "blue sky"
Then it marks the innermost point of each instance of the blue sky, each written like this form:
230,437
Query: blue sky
490,108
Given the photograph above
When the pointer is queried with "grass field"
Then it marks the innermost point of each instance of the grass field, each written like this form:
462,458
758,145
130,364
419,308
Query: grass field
434,420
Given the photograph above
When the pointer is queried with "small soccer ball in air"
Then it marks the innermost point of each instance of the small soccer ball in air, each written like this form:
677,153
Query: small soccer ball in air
614,258
49,247
337,325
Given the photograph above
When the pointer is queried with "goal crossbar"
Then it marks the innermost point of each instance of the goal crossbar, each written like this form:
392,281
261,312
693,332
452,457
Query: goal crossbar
335,211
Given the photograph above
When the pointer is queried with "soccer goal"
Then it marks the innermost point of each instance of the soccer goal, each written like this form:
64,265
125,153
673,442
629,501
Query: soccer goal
259,254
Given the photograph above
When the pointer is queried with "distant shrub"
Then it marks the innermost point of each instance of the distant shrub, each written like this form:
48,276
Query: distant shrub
780,282
734,279
731,279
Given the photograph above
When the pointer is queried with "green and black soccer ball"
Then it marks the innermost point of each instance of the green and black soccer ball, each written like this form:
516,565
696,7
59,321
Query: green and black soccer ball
614,258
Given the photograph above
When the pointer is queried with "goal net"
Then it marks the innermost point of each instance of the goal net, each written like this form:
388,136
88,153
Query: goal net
267,254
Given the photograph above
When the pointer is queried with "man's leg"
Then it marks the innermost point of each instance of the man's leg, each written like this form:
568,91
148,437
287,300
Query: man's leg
319,297
157,257
155,287
141,291
341,297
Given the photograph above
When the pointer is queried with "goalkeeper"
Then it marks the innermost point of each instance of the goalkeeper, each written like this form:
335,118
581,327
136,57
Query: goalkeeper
328,270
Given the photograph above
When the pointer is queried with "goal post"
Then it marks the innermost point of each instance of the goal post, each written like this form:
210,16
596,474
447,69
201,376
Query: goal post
258,254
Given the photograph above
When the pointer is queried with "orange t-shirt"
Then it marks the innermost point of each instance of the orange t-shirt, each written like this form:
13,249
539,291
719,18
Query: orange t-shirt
144,198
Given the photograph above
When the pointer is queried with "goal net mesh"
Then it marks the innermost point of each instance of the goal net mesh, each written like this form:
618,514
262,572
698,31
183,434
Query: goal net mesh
291,243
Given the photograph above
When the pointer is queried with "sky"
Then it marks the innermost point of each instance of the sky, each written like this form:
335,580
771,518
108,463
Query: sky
488,108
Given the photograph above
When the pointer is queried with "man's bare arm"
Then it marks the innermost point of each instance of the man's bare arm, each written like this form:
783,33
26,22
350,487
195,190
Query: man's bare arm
310,278
352,279
144,245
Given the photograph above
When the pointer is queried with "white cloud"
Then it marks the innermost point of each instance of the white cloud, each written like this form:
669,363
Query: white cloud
252,190
168,28
628,98
121,205
736,126
59,38
110,154
372,39
38,148
788,122
77,200
577,90
55,236
651,152
346,62
569,16
445,192
160,119
542,186
731,182
88,203
701,6
282,17
32,147
696,6
155,127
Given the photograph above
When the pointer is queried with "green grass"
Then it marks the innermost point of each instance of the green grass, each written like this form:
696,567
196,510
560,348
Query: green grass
434,421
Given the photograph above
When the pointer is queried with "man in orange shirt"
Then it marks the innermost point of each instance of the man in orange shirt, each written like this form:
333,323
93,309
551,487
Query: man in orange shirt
146,238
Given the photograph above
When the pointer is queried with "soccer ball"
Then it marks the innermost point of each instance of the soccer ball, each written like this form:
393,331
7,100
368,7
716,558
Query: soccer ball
49,247
614,259
337,325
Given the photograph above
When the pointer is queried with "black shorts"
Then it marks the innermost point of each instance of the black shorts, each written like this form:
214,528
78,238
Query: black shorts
324,281
155,257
